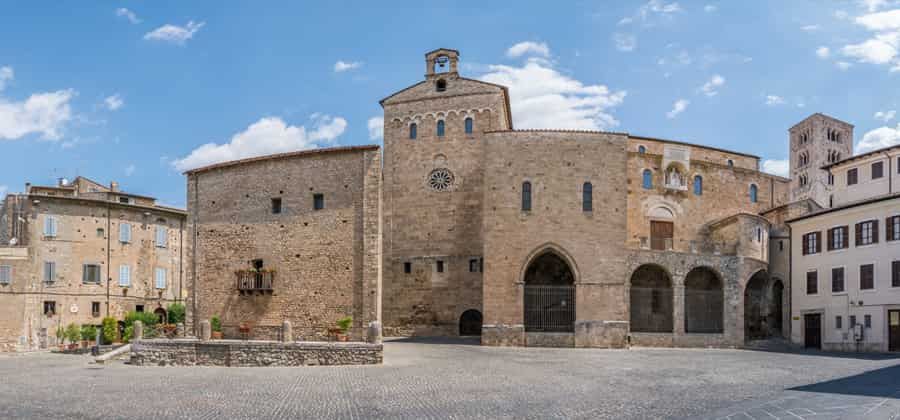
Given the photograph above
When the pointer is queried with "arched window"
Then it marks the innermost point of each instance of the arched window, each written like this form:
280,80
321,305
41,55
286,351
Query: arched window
412,131
647,179
698,185
469,125
730,163
526,196
587,197
642,149
441,85
753,193
440,128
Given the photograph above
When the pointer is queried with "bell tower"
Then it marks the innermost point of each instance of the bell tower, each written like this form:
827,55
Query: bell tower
442,61
815,142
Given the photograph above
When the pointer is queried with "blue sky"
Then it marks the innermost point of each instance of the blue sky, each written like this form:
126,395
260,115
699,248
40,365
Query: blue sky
137,91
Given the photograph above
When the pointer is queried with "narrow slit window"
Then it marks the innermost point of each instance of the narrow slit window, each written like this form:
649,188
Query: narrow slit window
318,201
276,206
440,128
587,197
469,125
526,196
412,131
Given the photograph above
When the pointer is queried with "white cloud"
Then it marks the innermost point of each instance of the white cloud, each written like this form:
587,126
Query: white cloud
678,107
342,66
530,48
873,5
625,42
42,113
823,52
883,46
127,14
267,136
711,87
3,190
879,138
772,100
843,65
885,116
129,170
810,28
776,167
174,34
709,8
376,128
542,97
6,75
658,7
625,21
114,102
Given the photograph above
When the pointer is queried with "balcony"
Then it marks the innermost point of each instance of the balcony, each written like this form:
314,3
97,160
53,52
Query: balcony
250,281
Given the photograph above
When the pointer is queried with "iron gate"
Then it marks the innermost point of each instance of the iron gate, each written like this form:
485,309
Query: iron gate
703,311
549,308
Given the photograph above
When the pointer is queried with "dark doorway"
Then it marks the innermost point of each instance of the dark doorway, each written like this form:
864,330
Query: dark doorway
651,300
549,295
893,330
661,234
470,323
777,311
756,307
812,331
703,302
161,315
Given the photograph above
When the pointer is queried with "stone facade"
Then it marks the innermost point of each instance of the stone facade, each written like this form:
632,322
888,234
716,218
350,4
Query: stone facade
240,353
815,142
312,261
87,220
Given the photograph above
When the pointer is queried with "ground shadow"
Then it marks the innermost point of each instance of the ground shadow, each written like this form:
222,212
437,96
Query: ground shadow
458,341
884,383
781,346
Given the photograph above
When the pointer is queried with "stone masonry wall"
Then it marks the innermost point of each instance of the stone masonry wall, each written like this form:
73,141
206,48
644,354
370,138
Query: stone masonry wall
237,353
422,226
326,262
557,163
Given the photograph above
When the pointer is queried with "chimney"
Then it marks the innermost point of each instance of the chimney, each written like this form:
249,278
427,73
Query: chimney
114,186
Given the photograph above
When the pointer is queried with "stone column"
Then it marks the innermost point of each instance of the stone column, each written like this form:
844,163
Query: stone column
678,308
287,332
137,330
205,330
373,335
179,330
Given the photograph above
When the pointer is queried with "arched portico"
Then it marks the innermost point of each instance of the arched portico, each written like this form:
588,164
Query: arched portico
650,296
470,322
703,302
760,308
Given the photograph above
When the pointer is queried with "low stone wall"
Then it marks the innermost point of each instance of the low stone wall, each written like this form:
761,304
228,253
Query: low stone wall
642,339
238,353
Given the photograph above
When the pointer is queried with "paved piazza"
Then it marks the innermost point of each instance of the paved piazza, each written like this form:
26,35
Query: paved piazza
455,379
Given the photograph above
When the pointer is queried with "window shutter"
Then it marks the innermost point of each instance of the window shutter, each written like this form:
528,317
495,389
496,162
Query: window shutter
889,231
858,229
124,233
830,244
160,278
161,236
805,245
875,231
5,274
818,242
846,230
124,275
50,226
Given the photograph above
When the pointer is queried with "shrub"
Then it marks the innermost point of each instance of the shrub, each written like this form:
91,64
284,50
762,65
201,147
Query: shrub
128,334
176,313
73,333
148,319
345,323
88,332
215,324
61,334
110,330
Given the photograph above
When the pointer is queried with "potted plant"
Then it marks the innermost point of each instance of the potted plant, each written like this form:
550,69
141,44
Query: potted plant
216,325
88,333
73,334
343,326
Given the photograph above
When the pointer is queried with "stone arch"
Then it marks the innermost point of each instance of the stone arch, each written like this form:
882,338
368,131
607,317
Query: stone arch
549,280
704,301
776,306
161,315
756,306
470,322
651,299
554,248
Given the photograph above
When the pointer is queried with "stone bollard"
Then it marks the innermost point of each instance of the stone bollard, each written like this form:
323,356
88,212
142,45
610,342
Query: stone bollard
373,335
137,332
179,330
287,332
205,330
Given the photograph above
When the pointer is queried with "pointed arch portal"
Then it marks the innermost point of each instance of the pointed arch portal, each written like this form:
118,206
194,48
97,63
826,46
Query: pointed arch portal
549,295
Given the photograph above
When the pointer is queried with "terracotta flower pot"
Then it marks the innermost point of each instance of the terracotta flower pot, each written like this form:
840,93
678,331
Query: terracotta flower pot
217,335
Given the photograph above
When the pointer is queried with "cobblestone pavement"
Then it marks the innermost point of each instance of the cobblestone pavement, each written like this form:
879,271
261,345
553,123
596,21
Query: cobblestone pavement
454,379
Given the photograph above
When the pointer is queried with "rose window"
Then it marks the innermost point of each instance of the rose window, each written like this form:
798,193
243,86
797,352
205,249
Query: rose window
440,179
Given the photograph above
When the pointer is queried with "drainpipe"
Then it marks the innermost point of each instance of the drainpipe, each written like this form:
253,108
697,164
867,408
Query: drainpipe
108,235
194,254
180,259
890,173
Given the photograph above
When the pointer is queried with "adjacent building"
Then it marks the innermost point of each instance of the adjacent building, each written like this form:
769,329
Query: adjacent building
290,237
79,251
846,265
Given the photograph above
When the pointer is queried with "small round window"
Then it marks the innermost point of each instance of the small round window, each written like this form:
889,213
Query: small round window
440,179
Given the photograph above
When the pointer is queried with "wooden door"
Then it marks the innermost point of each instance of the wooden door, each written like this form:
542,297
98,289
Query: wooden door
894,330
812,331
661,234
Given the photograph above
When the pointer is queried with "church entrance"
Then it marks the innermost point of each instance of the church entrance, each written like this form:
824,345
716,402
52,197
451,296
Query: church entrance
470,323
549,295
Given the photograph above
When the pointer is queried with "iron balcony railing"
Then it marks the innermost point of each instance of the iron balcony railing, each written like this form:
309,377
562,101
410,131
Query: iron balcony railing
250,280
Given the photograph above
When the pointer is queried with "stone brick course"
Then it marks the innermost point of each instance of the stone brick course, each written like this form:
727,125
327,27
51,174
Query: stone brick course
237,353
